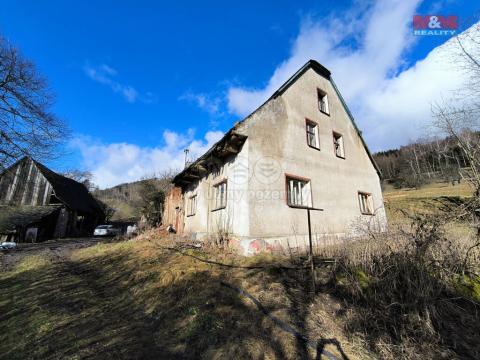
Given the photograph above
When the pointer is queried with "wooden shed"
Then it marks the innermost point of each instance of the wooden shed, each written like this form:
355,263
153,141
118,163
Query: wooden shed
37,204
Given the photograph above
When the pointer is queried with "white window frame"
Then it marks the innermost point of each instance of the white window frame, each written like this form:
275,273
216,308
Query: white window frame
311,129
192,205
338,145
365,201
322,99
299,191
220,195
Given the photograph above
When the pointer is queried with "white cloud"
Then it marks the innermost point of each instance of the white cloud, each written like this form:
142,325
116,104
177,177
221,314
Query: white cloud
116,163
365,49
205,102
104,74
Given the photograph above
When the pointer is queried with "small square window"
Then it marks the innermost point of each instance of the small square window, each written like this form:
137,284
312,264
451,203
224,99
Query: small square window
338,145
192,205
323,101
298,192
365,201
312,134
220,195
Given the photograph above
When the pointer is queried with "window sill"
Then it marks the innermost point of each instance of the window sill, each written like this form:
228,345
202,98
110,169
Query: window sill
303,207
369,214
190,215
324,112
340,157
220,208
313,147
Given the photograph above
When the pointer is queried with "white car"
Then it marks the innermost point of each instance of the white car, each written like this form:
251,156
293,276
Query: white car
106,230
8,245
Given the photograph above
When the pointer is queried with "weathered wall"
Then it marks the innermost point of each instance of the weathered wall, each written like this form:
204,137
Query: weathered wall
23,184
234,217
257,212
280,139
173,212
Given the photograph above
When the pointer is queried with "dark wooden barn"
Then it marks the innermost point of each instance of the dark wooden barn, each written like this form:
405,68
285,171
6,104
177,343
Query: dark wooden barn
37,204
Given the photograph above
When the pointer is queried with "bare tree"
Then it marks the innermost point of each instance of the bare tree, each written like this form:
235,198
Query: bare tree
83,177
460,119
152,196
27,125
467,49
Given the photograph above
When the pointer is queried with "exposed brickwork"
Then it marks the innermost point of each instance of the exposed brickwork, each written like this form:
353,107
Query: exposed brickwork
173,211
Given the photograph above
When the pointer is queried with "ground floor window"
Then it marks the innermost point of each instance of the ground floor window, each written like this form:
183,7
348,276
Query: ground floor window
298,192
192,205
365,201
220,195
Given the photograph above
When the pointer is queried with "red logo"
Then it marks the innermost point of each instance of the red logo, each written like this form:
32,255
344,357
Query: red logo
432,22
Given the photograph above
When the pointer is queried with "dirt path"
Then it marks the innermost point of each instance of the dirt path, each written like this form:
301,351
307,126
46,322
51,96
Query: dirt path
56,250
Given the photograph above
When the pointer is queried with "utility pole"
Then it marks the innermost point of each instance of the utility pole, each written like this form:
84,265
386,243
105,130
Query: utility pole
310,247
310,244
186,151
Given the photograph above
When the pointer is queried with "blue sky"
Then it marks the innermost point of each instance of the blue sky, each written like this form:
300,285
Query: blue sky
138,81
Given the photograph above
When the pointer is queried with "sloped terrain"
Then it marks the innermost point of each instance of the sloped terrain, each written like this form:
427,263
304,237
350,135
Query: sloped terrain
156,297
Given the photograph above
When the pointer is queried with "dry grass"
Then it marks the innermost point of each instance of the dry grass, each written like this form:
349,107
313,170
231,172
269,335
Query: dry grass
429,198
138,299
409,301
407,294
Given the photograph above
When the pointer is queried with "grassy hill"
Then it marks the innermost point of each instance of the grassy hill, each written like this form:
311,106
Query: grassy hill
426,198
149,298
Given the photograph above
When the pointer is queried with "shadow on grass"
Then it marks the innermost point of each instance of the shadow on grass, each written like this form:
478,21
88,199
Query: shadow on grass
113,306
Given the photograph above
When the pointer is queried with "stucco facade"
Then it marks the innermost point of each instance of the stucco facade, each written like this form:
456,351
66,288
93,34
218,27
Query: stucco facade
272,148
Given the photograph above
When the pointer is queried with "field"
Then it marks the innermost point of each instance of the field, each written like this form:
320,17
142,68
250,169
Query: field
150,298
426,198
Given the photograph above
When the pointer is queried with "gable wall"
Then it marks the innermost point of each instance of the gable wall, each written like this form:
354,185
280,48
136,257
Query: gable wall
279,139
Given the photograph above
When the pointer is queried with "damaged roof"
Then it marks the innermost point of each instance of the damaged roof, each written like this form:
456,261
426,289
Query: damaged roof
191,172
230,144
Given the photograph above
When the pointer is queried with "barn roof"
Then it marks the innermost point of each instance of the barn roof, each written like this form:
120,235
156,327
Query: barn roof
72,193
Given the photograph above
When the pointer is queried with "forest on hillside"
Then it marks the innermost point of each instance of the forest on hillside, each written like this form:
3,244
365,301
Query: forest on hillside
424,161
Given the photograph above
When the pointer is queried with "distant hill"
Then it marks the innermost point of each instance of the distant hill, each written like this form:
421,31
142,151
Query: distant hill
124,198
128,199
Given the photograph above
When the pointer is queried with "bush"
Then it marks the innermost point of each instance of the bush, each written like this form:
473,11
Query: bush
414,297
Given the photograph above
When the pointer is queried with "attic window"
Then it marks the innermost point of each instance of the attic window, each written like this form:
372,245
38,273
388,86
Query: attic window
338,145
312,134
323,101
365,202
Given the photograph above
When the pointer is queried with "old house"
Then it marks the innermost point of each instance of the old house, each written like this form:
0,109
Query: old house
300,149
37,204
